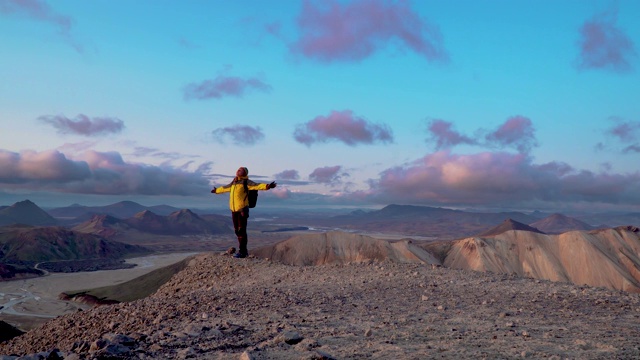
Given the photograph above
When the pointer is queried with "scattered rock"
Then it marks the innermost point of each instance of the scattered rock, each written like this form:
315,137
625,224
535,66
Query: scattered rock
257,309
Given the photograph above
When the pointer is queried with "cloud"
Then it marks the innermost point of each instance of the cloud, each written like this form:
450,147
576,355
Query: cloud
635,148
239,134
333,31
603,45
40,11
287,175
342,126
224,86
621,132
94,173
76,147
83,125
327,175
274,28
498,179
624,130
516,132
141,151
444,136
186,43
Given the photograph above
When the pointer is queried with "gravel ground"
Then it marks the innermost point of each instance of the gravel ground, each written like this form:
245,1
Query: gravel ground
225,308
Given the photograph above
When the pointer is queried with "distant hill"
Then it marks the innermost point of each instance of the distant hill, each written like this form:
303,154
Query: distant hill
338,247
121,210
181,222
605,257
106,226
25,212
508,224
558,223
38,244
611,219
420,220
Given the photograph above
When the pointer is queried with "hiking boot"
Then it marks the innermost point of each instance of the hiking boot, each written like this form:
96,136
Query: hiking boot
239,255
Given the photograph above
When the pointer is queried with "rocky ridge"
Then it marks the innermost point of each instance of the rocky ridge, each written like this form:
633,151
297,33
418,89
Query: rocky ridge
225,308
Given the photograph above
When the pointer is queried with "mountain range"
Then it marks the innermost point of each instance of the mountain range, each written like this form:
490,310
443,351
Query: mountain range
442,223
122,210
434,222
180,222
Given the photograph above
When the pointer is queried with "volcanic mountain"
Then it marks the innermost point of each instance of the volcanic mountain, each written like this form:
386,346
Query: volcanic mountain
104,225
338,247
558,223
37,244
181,222
507,225
25,212
121,210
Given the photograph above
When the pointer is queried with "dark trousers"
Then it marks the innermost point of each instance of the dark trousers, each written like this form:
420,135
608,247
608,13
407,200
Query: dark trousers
240,227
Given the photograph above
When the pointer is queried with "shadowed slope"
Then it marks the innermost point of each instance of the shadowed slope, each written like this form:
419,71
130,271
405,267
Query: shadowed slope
131,290
25,212
607,257
508,224
339,247
558,223
39,244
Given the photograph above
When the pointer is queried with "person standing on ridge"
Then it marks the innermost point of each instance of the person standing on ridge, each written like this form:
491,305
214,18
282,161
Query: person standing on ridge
239,204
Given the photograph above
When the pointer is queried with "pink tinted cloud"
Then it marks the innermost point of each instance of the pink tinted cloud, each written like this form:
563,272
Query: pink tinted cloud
342,126
47,166
326,175
288,175
239,134
224,86
334,31
605,46
517,132
84,125
624,136
499,179
41,11
442,133
94,173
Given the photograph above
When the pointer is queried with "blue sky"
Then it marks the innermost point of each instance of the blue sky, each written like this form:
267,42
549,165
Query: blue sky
483,104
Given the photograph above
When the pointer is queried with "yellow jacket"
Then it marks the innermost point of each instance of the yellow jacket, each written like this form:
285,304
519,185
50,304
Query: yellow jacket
239,199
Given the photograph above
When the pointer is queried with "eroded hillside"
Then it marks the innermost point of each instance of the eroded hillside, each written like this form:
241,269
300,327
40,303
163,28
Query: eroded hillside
605,257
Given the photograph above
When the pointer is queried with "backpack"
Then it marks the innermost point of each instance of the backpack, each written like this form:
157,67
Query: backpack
252,195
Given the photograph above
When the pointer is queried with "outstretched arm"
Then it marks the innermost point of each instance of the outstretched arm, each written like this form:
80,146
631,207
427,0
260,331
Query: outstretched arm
260,186
221,189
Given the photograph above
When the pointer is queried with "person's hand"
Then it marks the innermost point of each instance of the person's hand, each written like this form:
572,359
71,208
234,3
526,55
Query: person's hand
272,185
213,191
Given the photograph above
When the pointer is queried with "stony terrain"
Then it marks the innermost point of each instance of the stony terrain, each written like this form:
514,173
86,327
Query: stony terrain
225,308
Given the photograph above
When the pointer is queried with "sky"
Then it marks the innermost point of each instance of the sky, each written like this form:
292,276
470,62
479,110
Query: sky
496,104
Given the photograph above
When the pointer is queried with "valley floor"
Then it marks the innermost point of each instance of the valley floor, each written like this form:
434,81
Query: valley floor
225,308
30,302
